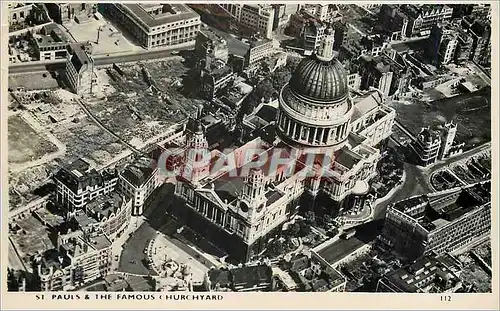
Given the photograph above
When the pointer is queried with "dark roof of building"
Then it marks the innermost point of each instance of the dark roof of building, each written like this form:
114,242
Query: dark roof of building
53,258
428,270
105,205
298,263
139,283
83,219
220,276
78,175
266,133
139,172
319,285
79,57
320,80
172,13
272,196
410,202
251,276
428,135
267,113
347,158
227,187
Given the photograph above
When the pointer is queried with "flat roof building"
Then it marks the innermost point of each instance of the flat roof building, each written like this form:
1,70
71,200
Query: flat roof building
440,222
429,274
156,25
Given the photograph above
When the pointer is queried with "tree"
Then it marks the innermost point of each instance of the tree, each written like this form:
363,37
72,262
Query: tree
275,248
310,218
294,229
265,89
327,219
304,229
33,281
12,281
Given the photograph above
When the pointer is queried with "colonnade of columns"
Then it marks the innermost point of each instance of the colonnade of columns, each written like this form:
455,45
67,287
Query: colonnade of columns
310,134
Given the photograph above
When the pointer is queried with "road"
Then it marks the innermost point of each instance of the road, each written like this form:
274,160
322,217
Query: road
132,257
100,60
417,182
418,179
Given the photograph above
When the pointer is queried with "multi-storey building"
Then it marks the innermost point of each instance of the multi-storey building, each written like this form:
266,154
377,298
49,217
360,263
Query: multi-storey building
80,258
308,273
78,183
137,181
316,118
282,13
80,72
426,146
354,81
432,145
421,18
464,47
322,12
54,271
258,17
51,43
481,35
429,274
112,213
18,12
257,278
64,13
156,25
447,140
382,73
209,44
442,45
441,222
258,50
393,20
214,77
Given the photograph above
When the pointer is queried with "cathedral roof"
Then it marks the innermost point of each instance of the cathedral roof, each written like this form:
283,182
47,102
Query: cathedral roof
319,79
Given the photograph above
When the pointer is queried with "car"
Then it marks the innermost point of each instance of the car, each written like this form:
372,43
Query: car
175,52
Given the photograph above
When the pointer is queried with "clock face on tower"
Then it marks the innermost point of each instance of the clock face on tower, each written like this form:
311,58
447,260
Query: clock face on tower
244,206
260,208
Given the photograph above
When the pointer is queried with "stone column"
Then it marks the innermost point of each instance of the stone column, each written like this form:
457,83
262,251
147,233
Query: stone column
322,140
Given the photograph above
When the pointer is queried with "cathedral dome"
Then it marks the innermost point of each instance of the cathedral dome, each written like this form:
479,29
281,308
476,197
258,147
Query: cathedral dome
321,79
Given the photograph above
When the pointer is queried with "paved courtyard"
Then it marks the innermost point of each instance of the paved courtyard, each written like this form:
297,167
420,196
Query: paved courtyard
111,39
163,251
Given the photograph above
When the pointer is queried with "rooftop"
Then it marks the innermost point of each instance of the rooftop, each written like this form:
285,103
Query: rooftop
78,175
427,274
105,205
249,277
52,258
365,104
441,208
79,56
222,277
78,243
139,171
170,13
347,158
